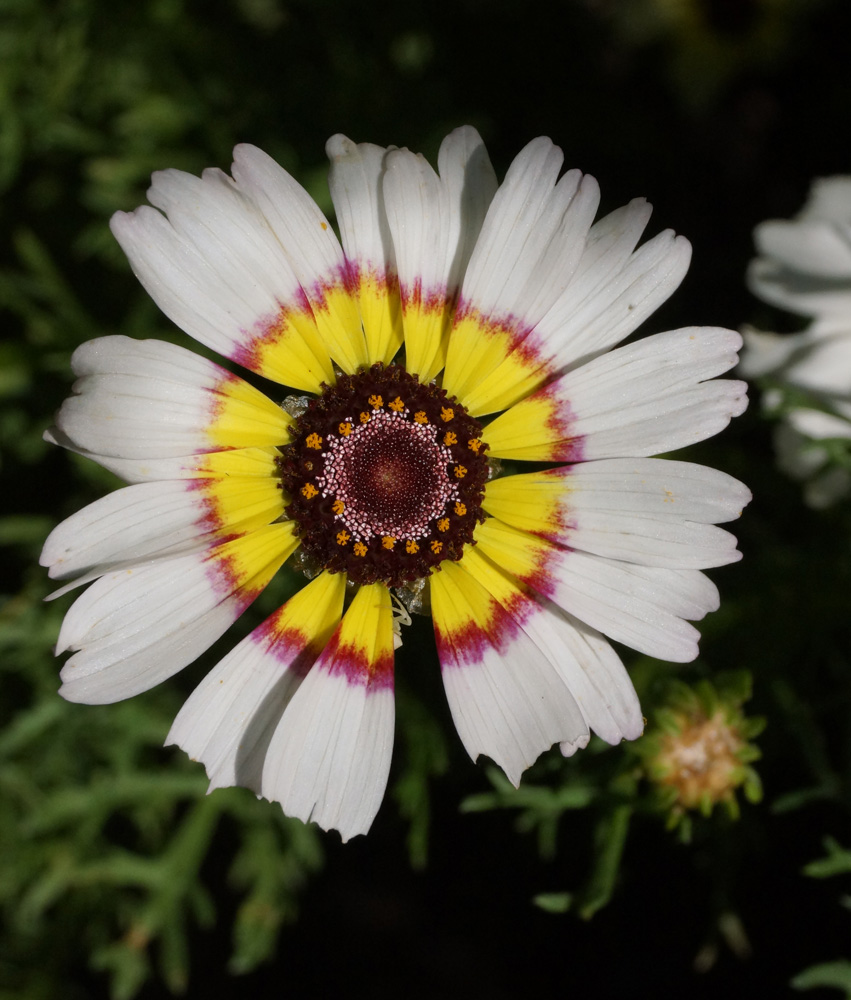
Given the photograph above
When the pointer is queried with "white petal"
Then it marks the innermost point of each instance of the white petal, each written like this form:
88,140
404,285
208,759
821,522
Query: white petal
822,363
818,425
829,200
653,396
355,183
606,302
642,607
799,293
418,222
660,488
469,184
216,265
132,523
203,285
507,697
154,470
651,511
768,352
654,541
329,759
593,673
594,290
155,359
647,397
301,229
610,243
809,246
136,417
510,705
435,219
532,238
228,720
149,399
136,628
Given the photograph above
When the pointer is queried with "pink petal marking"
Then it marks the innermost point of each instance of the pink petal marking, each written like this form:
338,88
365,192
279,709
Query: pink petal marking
294,649
350,661
469,643
270,330
521,335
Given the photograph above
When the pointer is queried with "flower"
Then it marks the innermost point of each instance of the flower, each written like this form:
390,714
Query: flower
805,267
455,323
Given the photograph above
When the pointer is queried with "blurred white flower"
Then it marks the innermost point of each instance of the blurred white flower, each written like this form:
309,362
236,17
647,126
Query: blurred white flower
804,266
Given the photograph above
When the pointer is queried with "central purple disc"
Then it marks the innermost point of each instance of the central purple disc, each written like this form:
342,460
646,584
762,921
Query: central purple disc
384,476
391,476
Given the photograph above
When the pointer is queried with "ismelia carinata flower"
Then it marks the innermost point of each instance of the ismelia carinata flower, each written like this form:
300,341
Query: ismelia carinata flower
456,324
804,266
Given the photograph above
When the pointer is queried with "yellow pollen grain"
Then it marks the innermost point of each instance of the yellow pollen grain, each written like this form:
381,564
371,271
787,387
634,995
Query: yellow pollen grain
308,491
345,428
376,401
446,414
359,549
338,506
314,441
324,225
343,537
388,541
364,417
411,547
420,417
436,547
443,524
460,508
397,405
460,471
450,437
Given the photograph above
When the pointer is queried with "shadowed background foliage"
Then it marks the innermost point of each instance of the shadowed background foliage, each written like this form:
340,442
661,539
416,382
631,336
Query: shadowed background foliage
117,876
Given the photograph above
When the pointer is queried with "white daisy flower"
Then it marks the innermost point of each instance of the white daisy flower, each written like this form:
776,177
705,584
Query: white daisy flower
455,322
805,267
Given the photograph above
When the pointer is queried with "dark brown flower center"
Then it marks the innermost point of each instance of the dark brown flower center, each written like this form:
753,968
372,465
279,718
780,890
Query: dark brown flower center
385,477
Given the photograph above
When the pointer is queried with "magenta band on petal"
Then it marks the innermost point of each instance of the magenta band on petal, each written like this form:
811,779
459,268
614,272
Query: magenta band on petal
467,646
352,663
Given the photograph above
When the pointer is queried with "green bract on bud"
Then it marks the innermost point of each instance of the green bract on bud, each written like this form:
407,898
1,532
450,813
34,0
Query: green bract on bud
697,751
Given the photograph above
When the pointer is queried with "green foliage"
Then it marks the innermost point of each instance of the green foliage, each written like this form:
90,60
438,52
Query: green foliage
425,757
836,862
96,839
832,975
564,787
837,974
704,45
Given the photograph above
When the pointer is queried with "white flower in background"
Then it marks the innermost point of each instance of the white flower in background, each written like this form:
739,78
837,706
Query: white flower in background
456,321
805,267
